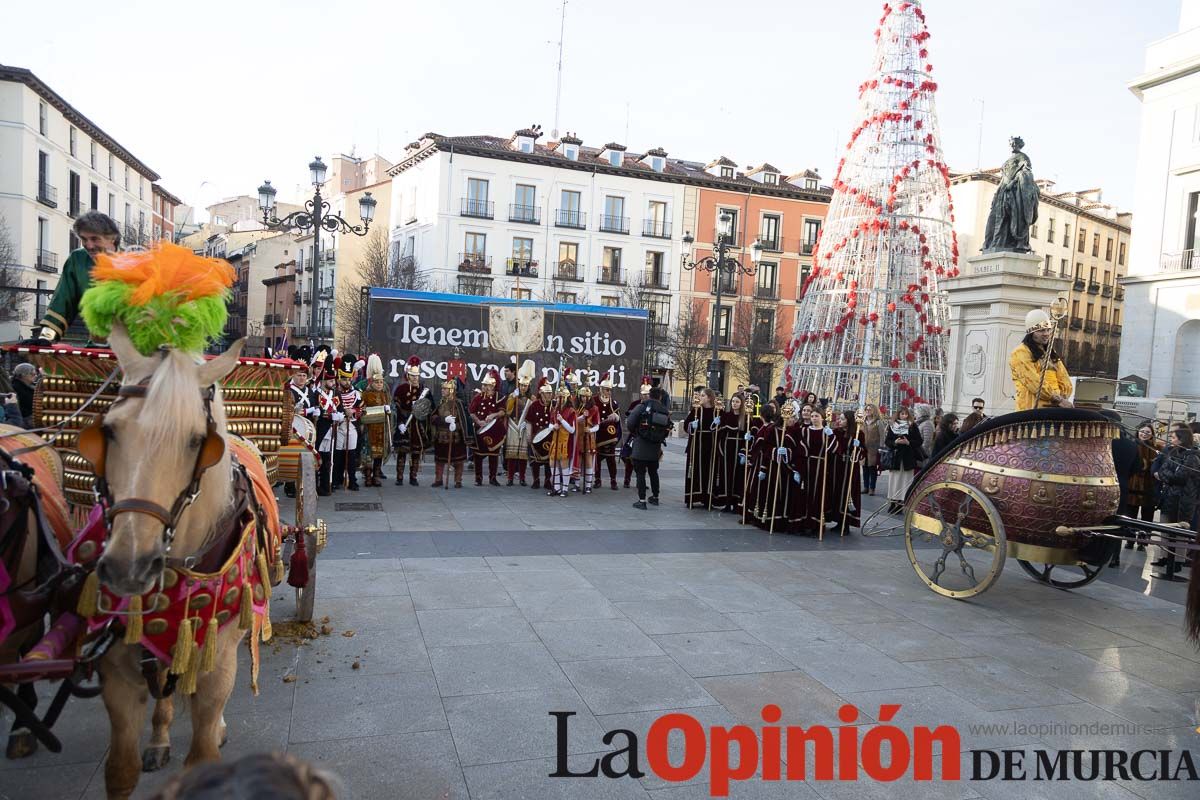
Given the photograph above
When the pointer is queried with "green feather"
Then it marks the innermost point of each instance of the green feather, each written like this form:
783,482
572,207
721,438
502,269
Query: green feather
188,326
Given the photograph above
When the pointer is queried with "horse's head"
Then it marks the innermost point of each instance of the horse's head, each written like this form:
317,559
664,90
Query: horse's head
162,438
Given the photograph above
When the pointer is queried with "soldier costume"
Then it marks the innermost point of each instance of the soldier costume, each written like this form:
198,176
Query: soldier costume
413,407
609,434
327,402
516,409
344,433
377,420
304,404
562,440
487,412
450,432
538,419
588,416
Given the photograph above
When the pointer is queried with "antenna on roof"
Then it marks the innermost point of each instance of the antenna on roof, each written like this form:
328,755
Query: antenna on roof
558,83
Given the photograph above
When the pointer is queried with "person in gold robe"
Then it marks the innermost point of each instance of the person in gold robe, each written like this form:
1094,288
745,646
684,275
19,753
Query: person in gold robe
1026,362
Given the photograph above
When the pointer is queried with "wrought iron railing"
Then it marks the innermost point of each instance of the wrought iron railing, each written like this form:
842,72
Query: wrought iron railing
657,228
474,262
612,276
614,224
520,213
568,271
1177,262
482,209
1093,287
568,218
521,267
655,280
46,261
47,194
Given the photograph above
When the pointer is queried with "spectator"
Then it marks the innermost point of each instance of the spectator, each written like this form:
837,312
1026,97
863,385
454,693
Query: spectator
904,440
873,433
656,383
947,430
1143,491
1179,475
780,396
1125,459
975,417
25,378
923,417
646,453
508,382
263,776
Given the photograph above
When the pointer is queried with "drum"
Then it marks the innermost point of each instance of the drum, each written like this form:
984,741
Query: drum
375,415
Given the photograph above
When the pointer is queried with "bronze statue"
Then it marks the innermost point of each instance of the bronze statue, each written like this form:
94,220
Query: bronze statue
1015,206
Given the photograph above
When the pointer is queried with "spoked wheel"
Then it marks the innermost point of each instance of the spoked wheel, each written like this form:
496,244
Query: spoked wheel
1061,576
968,560
306,515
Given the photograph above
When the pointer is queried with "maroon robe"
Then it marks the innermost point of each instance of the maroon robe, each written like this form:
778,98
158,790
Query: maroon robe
775,494
701,471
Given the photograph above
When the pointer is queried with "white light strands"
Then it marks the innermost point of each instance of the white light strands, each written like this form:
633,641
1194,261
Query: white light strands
871,325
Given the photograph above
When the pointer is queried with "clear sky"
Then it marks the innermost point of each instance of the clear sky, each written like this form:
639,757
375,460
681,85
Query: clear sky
219,95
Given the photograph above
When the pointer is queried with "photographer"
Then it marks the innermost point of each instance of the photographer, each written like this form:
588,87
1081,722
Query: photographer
649,424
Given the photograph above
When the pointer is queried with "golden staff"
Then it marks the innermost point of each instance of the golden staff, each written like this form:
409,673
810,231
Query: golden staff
1058,310
692,450
718,406
745,445
824,472
859,418
778,470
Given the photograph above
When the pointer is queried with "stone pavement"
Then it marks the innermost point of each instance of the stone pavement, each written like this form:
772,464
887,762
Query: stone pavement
460,619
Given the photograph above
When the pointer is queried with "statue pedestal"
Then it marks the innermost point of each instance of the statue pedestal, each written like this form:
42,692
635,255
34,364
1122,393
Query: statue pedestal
988,303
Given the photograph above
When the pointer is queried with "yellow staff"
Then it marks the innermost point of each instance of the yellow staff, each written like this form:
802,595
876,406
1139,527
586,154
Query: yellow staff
859,418
746,467
692,449
824,471
716,431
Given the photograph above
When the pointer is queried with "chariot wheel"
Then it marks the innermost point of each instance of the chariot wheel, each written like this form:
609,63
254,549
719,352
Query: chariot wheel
306,516
966,561
1062,576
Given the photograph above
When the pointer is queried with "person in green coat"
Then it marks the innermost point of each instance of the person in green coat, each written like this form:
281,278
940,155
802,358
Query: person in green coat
97,233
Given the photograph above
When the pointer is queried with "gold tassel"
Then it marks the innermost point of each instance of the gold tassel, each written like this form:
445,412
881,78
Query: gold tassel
185,647
133,623
187,684
208,653
277,572
267,630
246,610
90,596
264,574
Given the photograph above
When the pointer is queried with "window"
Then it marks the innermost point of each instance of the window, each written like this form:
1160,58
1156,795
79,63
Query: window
525,144
1092,274
128,216
72,242
522,248
566,297
610,269
765,279
141,223
110,166
614,158
525,203
658,213
726,172
141,188
1033,231
72,140
569,214
723,324
73,192
92,153
608,301
95,197
112,205
43,236
1046,269
1078,270
809,183
477,190
43,172
1116,316
1103,316
475,244
1095,245
568,255
1108,250
655,276
42,291
614,218
1082,239
1107,277
764,328
656,163
659,306
1091,309
1121,254
521,293
43,119
1074,309
571,151
769,232
734,238
1063,268
1067,235
127,177
812,228
771,178
1050,230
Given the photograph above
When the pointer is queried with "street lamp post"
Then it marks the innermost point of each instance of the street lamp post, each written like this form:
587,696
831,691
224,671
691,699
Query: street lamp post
721,264
316,216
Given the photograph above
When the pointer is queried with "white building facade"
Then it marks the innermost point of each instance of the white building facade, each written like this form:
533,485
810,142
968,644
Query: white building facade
509,217
1160,347
55,165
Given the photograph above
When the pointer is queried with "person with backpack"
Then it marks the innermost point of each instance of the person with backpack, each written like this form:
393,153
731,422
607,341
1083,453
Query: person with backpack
649,425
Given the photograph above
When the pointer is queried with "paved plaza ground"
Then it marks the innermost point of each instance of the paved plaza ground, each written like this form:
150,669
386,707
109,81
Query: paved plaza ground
460,618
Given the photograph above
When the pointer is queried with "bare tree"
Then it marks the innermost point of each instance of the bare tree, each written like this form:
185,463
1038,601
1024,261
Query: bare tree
13,292
649,294
379,266
686,344
755,338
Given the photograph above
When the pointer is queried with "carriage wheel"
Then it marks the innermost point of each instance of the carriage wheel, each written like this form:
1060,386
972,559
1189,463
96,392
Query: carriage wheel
306,514
1062,576
968,560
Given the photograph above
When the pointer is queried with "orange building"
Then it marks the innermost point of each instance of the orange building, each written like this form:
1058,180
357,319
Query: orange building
783,214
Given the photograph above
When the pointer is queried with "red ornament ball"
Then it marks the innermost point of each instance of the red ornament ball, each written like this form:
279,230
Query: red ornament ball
910,357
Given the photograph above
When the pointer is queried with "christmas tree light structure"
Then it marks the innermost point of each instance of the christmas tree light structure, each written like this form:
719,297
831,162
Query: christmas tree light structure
871,325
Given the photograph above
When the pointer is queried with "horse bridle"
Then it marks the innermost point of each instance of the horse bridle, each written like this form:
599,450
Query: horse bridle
93,445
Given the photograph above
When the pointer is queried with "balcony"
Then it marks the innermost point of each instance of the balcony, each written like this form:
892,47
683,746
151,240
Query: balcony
325,293
521,267
47,194
658,331
614,224
520,213
1093,287
808,248
766,292
1119,294
655,280
732,239
1104,328
1076,324
1106,291
568,271
611,276
272,319
477,263
728,285
323,332
480,209
1089,326
774,245
1116,330
1079,284
45,261
656,228
567,218
75,207
308,298
1177,262
296,299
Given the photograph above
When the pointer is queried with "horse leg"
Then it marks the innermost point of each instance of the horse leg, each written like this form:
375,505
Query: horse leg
125,696
21,741
158,752
208,704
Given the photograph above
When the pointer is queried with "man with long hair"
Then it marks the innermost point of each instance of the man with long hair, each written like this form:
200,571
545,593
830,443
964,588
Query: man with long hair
1026,363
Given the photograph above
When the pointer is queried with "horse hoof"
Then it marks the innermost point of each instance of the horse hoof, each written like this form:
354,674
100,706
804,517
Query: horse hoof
21,745
155,758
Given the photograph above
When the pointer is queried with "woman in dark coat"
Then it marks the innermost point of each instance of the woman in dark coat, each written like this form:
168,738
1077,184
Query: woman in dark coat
701,427
1179,476
904,440
947,430
1141,503
773,485
734,437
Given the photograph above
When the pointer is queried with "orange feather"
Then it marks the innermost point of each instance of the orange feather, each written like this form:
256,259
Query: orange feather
165,269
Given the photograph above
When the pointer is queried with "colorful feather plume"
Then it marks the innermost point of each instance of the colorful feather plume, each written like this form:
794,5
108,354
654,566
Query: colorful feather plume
167,295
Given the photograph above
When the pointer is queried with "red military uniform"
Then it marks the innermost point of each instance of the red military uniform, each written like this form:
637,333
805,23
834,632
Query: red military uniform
487,413
609,436
562,442
411,438
538,419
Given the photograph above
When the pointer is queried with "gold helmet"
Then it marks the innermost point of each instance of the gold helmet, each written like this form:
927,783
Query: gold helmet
585,391
1038,320
525,373
563,389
